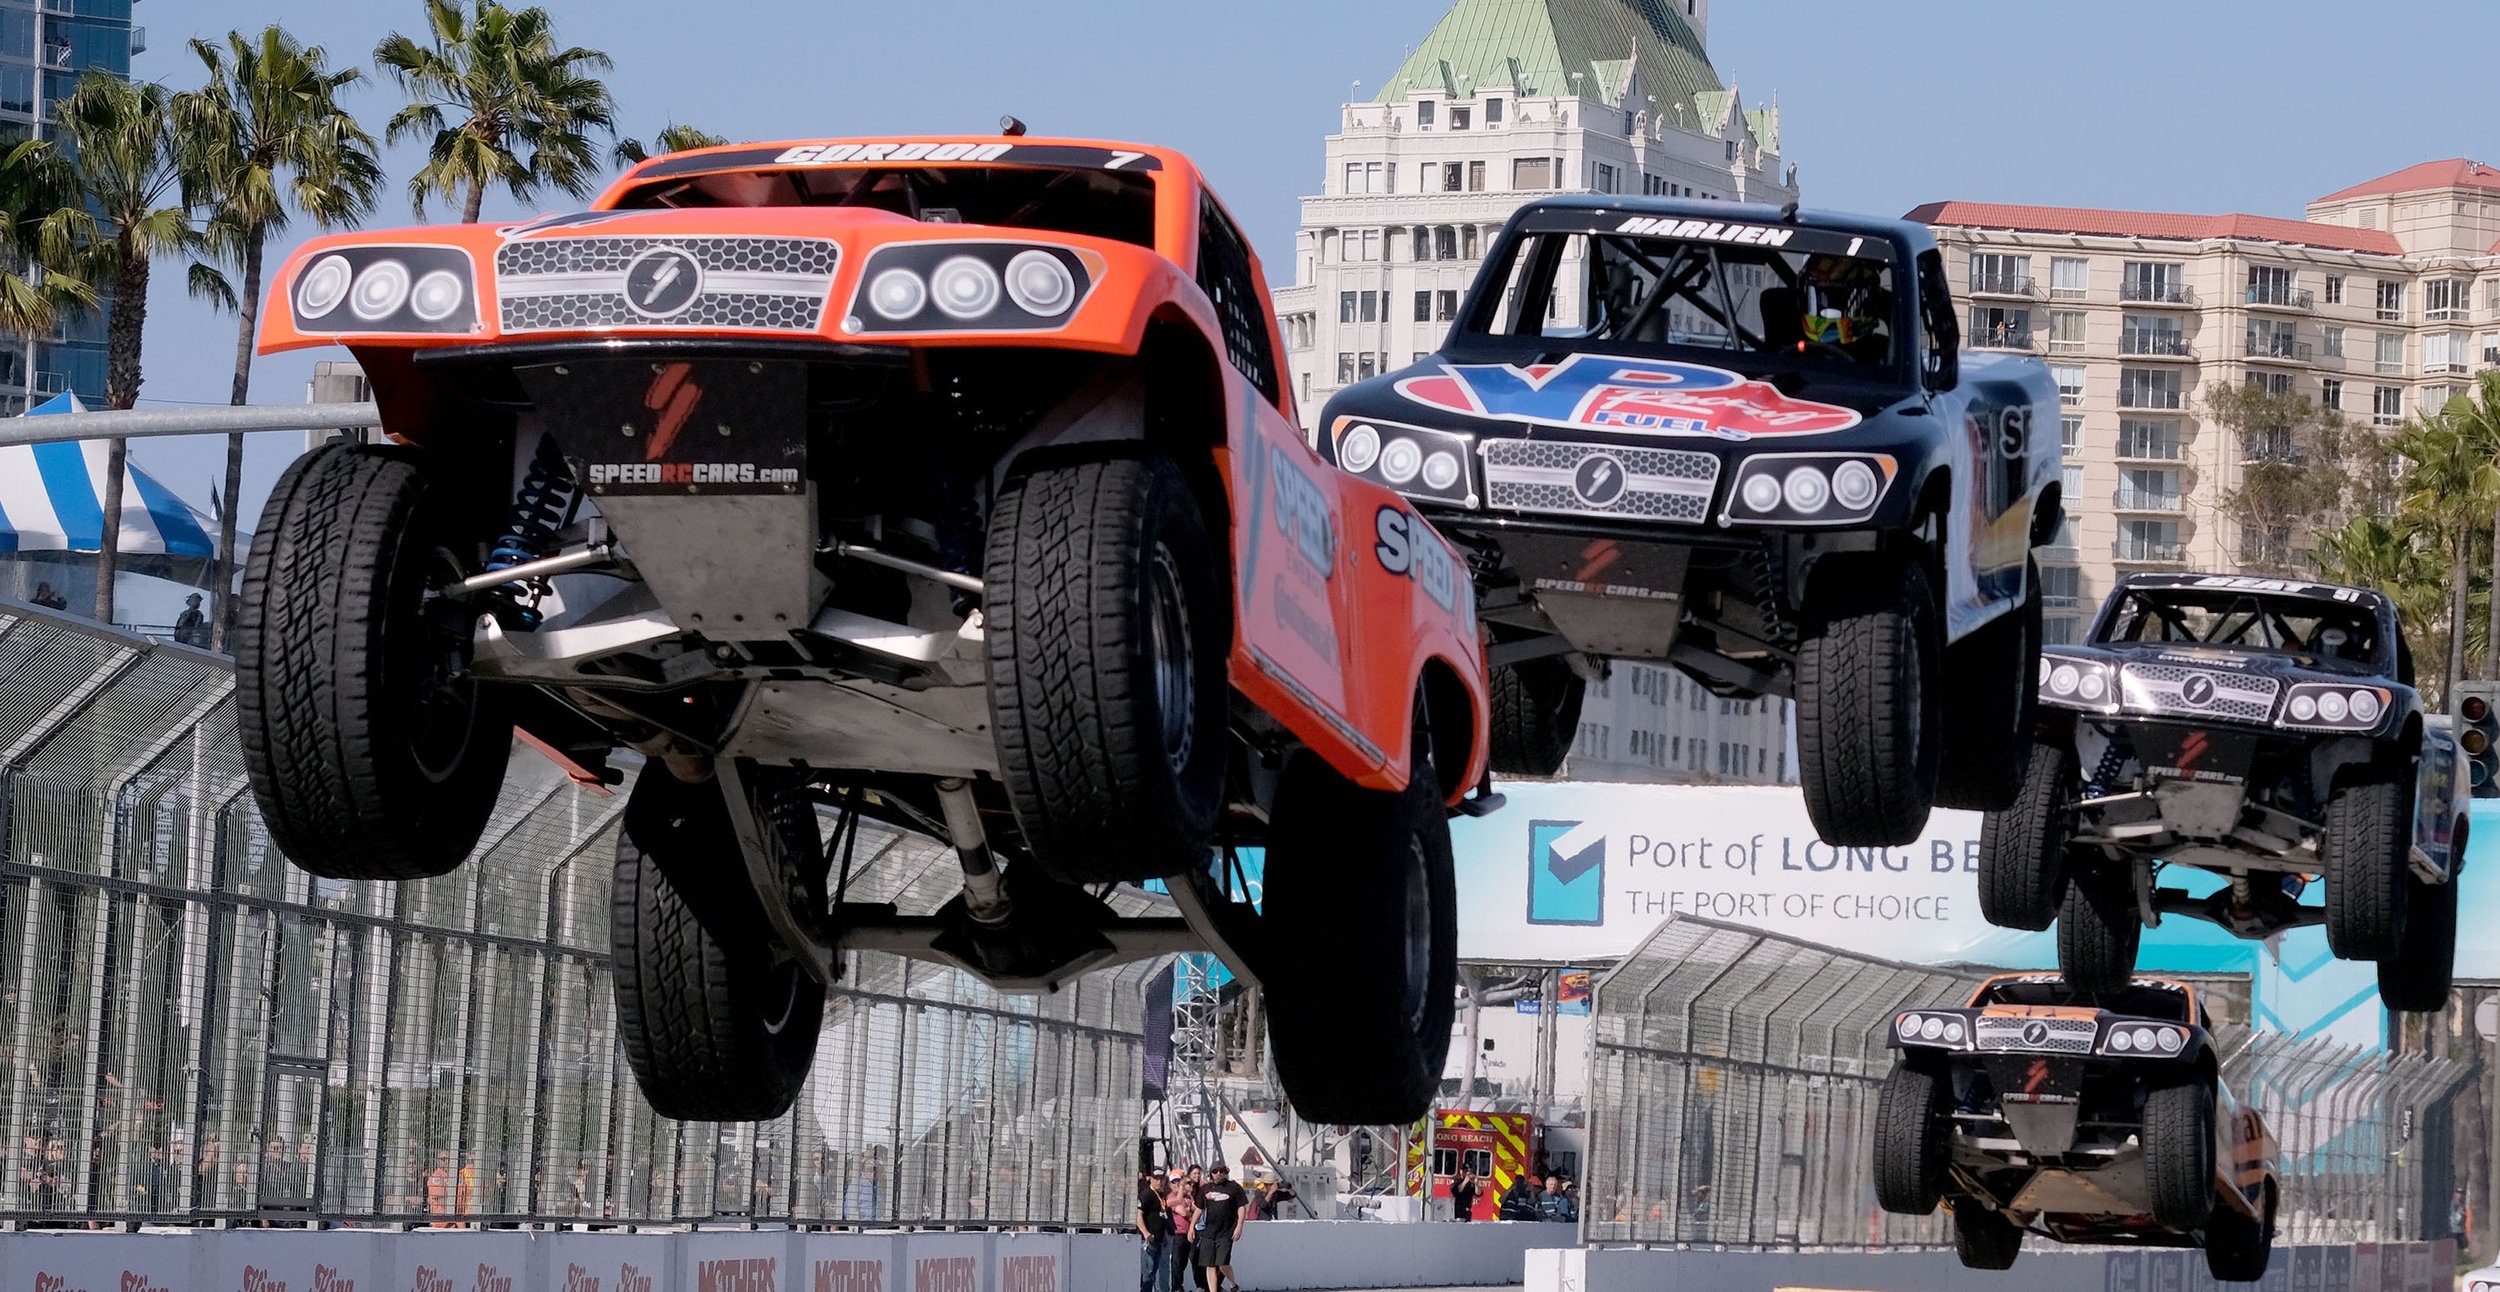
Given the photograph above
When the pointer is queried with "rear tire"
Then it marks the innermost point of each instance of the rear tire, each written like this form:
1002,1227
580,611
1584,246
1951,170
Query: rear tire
2417,977
1984,1239
2022,849
715,1027
2178,1144
370,752
1359,889
2098,930
1535,713
1107,625
2238,1248
2365,848
1867,711
1989,711
1913,1138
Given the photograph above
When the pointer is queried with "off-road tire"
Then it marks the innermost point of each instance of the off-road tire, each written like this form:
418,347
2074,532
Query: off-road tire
714,1026
2022,848
2417,977
2238,1248
1360,888
1984,1239
2178,1141
1913,1136
1867,701
1535,713
369,756
2365,849
2098,928
1107,623
1989,707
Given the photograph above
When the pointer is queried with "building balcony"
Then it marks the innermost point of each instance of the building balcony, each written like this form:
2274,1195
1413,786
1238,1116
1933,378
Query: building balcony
2000,339
2059,603
2166,504
2279,351
2153,345
2157,293
2437,368
2278,298
2163,452
2389,367
2148,553
2491,357
2387,420
2005,285
2159,401
2447,314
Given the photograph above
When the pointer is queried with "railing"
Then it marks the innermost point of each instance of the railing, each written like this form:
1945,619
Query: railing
2391,313
2290,351
2140,553
2157,345
2445,367
1997,339
2279,297
2388,367
2157,293
2148,450
2004,285
2168,400
2125,499
2051,601
2387,419
2447,313
2491,357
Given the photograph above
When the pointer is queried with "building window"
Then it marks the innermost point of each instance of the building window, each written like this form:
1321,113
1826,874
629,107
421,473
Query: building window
1467,240
2154,440
2387,406
1605,182
1445,243
2158,281
2272,339
2331,394
1445,304
2435,398
1345,367
2061,586
2442,352
2148,540
2066,331
1475,177
1371,306
2391,301
2266,544
2069,435
2070,476
1423,307
2391,352
2148,388
1992,271
1423,114
2331,342
1367,366
2446,300
2069,277
2334,289
2153,334
2277,384
1453,177
1492,113
1460,116
1532,172
2069,383
2271,285
2000,327
1345,307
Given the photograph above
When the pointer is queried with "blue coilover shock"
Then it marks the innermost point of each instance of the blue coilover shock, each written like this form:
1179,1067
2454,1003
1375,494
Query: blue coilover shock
540,510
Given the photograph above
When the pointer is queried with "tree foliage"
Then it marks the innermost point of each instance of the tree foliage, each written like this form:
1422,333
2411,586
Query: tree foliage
498,103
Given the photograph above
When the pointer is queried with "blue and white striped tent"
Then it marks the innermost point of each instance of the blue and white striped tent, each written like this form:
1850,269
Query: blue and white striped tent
51,500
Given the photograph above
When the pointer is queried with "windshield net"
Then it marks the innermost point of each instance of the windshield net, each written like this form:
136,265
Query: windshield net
1819,307
2246,621
1097,203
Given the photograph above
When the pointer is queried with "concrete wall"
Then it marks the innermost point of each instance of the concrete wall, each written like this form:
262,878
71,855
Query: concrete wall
1290,1254
2362,1267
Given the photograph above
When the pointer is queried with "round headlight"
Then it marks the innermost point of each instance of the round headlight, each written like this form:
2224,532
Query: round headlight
1441,469
2304,708
380,290
2331,706
1908,1027
2122,1040
1953,1029
1761,492
2365,706
1358,449
1807,490
965,288
2093,684
2170,1041
324,286
437,296
1039,284
1932,1028
897,294
2046,664
2063,680
1853,485
1400,461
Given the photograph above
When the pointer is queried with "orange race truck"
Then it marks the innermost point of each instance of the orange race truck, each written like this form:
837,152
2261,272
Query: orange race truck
950,483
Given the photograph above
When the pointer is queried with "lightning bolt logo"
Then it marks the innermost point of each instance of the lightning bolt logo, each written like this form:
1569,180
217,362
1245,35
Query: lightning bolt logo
669,273
2192,749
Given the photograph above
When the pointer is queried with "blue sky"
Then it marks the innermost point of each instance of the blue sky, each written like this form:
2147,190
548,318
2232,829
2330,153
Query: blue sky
2213,105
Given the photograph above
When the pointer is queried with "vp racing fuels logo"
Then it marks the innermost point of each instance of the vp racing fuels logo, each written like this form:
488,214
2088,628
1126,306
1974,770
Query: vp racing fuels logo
663,282
1615,393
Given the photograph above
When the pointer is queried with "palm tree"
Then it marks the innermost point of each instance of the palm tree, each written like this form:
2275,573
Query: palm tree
2475,414
2389,553
672,138
42,229
498,102
2453,484
271,117
140,174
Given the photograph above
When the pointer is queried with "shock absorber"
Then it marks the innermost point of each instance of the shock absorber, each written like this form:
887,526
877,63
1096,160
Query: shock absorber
541,507
2114,756
1769,589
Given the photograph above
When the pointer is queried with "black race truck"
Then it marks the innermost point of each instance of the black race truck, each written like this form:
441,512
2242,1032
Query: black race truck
2265,730
1744,441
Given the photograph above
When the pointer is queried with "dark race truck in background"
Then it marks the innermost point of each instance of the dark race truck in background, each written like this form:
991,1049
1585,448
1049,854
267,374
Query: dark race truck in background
2264,730
1742,441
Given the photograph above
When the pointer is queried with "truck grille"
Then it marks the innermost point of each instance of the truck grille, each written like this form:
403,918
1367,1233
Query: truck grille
2054,1035
1599,480
760,284
2188,692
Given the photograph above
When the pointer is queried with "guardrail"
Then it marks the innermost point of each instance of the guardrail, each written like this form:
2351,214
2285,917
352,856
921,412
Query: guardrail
141,423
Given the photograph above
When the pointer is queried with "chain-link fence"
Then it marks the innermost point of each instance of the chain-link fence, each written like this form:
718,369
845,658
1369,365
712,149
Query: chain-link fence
1735,1074
194,1028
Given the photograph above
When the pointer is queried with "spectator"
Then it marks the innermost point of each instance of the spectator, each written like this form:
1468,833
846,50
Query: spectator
301,1179
577,1189
1182,1206
1274,1193
1221,1214
860,1201
1154,1233
1463,1192
1196,1180
49,599
438,1189
1554,1204
1519,1202
191,627
464,1186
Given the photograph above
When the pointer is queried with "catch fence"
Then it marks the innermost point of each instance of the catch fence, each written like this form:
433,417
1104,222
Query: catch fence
196,1030
1734,1077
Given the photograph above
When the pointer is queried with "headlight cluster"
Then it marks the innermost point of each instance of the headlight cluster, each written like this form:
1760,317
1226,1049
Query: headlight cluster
2131,1038
2077,683
2323,706
1943,1029
1808,488
1411,460
969,287
387,289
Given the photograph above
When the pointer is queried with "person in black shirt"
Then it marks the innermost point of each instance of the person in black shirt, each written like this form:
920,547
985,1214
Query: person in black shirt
1463,1191
1519,1202
1220,1217
1154,1225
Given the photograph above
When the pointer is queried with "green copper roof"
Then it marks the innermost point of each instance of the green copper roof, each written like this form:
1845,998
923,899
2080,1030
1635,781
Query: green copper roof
1534,46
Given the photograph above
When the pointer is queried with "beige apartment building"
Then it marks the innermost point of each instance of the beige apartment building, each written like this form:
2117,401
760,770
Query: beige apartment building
2382,303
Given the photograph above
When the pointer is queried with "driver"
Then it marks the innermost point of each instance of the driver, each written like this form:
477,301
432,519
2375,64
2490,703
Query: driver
1847,307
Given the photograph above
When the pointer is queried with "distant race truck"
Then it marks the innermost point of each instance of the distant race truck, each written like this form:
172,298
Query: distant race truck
1744,441
2085,1117
2264,730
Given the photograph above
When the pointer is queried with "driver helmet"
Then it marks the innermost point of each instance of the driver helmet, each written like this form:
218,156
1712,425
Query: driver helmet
1844,302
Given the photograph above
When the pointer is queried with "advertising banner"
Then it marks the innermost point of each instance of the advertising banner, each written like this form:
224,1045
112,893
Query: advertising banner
606,1262
298,1261
454,1260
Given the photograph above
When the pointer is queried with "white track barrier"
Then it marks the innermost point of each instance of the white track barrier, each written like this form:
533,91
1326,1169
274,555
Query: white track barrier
2360,1267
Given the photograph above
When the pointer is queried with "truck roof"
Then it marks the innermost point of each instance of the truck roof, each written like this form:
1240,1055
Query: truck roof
1918,236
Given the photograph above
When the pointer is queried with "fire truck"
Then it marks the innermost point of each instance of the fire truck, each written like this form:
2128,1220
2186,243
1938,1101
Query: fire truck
1498,1147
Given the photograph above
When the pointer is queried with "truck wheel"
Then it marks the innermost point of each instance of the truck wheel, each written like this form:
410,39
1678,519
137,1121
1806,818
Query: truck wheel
1535,713
715,1026
370,751
2098,930
2364,850
1867,721
2022,849
2178,1144
1984,1239
1988,709
1913,1136
1106,620
1359,889
2238,1248
2416,978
